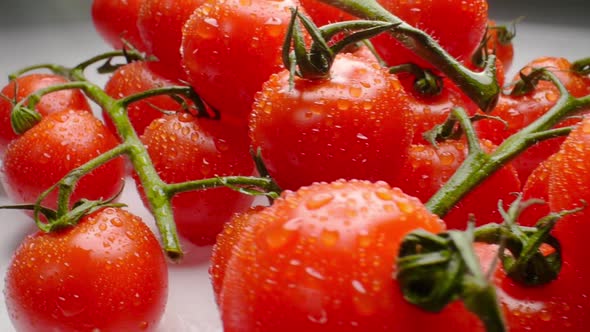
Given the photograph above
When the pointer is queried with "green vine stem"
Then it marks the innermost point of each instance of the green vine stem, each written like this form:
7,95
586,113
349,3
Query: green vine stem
481,87
479,165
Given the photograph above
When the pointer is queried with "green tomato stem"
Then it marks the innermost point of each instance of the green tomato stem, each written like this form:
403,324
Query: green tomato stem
264,183
481,87
479,165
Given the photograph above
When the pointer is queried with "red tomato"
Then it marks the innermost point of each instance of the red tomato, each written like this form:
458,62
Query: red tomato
138,77
225,244
537,187
115,21
356,124
184,148
429,168
231,47
322,259
107,273
500,43
457,25
520,111
53,102
160,24
431,110
59,143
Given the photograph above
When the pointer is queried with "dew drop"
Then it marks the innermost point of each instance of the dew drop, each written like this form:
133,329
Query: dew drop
319,200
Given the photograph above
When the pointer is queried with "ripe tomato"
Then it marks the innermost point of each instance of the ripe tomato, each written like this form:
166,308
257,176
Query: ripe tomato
431,110
322,259
225,244
115,21
231,47
107,273
160,24
537,187
356,124
428,168
520,111
53,102
459,36
59,143
184,148
139,77
499,42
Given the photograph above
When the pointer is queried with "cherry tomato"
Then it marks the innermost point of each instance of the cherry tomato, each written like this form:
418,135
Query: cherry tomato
225,244
356,124
115,21
160,24
322,258
231,47
184,148
138,77
429,168
108,273
59,143
499,42
459,36
519,111
23,86
537,187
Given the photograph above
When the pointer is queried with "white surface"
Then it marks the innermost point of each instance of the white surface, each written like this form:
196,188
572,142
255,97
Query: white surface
191,306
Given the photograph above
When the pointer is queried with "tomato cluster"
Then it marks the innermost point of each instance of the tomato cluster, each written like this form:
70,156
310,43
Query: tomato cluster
359,143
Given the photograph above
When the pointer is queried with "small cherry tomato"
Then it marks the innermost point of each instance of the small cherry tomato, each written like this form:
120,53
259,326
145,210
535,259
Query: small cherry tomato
25,85
59,143
107,273
355,124
115,21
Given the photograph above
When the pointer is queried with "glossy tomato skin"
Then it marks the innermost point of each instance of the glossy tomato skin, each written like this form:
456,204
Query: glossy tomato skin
231,47
520,111
428,168
116,20
138,77
356,124
459,36
499,45
108,273
322,259
59,143
53,102
160,25
184,148
323,14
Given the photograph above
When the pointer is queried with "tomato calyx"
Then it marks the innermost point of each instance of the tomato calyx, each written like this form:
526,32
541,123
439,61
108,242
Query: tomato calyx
316,62
434,270
504,36
426,82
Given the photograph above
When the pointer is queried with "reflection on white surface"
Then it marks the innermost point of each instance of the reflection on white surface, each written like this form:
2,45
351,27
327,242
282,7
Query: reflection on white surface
191,306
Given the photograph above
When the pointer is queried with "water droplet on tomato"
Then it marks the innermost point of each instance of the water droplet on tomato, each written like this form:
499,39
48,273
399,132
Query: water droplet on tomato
319,200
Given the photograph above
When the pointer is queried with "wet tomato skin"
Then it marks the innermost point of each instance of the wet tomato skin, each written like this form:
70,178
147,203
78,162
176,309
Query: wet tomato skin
314,131
107,273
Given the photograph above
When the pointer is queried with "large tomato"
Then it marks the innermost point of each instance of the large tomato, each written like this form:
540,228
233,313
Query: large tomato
108,273
322,259
116,21
355,124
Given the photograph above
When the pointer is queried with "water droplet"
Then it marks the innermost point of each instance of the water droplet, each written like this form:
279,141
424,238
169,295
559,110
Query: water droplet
319,200
329,237
314,273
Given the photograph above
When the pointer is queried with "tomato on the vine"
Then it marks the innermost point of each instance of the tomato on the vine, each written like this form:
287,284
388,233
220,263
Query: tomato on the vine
354,124
59,143
428,168
137,77
25,85
184,148
231,47
115,21
516,112
459,36
160,25
107,273
323,258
